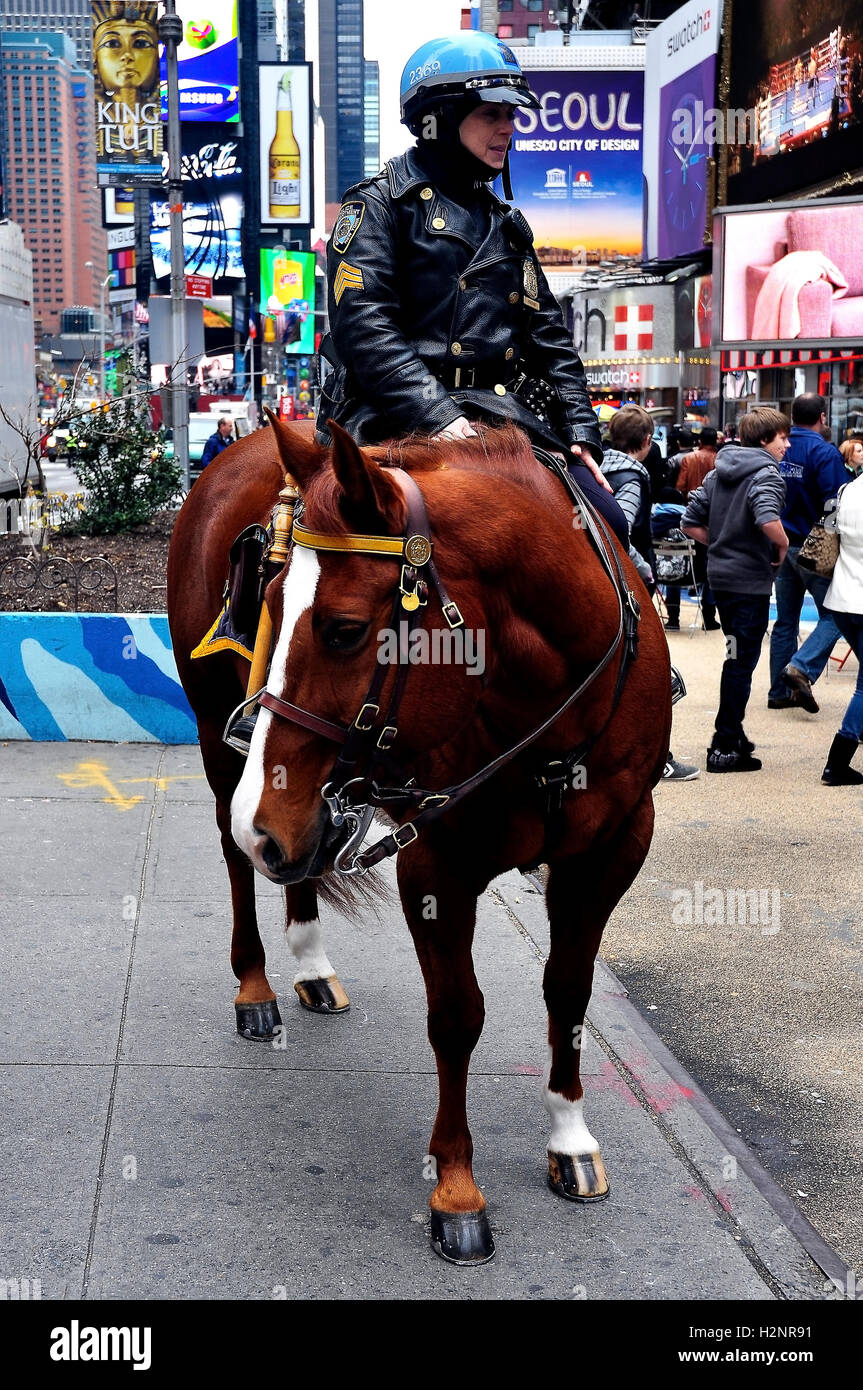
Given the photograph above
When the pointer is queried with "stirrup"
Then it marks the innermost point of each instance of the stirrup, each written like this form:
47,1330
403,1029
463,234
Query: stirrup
241,725
678,689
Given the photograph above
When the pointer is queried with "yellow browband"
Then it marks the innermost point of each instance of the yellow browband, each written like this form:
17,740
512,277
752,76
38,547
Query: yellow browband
396,546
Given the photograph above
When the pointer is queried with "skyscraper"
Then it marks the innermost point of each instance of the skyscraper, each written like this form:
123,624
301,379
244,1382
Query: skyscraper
342,80
371,118
70,17
50,169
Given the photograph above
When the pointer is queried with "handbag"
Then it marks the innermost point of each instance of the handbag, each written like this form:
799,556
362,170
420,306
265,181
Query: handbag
820,550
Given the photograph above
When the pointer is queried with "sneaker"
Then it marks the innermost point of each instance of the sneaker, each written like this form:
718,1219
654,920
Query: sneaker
711,625
801,688
744,744
785,702
735,761
672,626
679,772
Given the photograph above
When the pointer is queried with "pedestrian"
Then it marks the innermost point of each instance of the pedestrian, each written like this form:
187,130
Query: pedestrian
814,472
844,602
736,514
218,442
439,310
691,472
852,456
630,433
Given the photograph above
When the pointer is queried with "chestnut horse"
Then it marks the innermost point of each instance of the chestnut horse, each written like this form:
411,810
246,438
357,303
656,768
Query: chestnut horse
525,576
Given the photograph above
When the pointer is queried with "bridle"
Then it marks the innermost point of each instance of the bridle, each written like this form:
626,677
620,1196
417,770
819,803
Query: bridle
351,792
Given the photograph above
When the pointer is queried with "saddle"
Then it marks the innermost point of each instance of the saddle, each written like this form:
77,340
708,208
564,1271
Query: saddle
243,595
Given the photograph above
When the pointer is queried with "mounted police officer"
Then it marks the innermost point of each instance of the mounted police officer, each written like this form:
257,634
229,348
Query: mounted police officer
439,310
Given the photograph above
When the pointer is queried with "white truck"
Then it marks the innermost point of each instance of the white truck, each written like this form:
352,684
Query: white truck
18,394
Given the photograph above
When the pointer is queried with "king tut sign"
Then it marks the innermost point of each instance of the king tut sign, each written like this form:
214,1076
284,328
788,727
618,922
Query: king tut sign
126,78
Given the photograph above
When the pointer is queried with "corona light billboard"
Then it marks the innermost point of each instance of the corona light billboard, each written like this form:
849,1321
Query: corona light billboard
285,107
126,80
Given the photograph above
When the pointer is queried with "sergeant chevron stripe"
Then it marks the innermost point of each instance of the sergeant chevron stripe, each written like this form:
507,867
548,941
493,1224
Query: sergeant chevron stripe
348,277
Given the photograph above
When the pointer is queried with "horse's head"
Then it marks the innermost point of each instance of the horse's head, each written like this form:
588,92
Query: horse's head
332,614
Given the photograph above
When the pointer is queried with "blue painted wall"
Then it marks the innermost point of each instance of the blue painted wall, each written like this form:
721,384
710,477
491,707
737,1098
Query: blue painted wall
104,676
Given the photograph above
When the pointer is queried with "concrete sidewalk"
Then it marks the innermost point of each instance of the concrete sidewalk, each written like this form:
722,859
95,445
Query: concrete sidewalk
152,1153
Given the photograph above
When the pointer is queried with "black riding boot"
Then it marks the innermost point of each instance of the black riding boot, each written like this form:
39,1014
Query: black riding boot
837,772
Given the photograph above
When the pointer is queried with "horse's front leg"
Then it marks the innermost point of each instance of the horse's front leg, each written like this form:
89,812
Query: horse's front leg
318,986
582,893
441,911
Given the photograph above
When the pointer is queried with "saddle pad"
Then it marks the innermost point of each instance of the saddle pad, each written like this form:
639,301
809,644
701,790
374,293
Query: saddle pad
237,622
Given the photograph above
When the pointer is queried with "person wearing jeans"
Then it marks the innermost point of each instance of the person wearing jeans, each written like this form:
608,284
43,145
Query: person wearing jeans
844,601
735,513
814,472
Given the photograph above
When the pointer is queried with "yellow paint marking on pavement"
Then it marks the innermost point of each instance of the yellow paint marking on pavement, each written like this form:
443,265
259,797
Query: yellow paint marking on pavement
95,774
162,782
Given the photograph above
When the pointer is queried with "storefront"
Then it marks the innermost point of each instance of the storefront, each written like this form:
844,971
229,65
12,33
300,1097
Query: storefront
641,342
774,376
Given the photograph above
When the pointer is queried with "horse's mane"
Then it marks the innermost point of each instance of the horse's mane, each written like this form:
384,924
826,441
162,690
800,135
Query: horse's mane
503,452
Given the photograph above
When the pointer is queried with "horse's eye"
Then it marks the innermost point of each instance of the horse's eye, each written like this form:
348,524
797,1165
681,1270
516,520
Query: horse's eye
344,634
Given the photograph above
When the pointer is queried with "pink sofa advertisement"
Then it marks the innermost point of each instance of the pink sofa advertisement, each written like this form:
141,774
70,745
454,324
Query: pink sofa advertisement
794,274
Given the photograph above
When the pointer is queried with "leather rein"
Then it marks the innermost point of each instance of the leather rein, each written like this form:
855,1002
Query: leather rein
369,739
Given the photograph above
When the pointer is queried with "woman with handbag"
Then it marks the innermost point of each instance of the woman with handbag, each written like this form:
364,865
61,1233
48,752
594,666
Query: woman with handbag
844,602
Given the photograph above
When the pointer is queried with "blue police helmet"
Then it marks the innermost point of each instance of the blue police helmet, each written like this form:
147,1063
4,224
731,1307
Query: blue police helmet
467,64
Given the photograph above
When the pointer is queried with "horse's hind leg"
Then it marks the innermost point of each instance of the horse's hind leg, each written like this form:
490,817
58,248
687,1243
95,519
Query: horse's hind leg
442,928
255,1004
582,893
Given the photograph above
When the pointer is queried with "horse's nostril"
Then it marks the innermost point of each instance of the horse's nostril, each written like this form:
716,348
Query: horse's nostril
272,856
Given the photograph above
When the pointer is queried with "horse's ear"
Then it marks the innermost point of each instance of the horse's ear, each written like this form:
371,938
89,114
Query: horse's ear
299,455
372,502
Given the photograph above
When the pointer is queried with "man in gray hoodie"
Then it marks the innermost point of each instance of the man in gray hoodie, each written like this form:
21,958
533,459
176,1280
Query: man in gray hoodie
736,514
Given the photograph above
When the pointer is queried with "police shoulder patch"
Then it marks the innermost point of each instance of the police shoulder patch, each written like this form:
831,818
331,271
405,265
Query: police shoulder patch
347,224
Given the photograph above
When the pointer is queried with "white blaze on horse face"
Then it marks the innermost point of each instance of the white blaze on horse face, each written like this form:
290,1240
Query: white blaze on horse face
298,594
569,1134
307,944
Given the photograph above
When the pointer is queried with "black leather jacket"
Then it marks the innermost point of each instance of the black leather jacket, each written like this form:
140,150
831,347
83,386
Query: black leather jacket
426,325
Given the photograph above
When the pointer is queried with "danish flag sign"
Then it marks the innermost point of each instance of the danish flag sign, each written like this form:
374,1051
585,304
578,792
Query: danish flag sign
633,327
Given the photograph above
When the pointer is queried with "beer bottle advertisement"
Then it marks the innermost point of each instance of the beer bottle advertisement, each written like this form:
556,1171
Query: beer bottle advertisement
285,143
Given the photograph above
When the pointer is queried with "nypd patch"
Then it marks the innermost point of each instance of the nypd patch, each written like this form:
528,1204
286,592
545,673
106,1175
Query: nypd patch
347,224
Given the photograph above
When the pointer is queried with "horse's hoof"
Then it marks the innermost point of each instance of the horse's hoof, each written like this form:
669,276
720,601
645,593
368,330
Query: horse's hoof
258,1021
578,1177
462,1237
323,996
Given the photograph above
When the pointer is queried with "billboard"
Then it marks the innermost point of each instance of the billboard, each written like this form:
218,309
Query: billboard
118,207
126,80
576,165
288,297
797,95
792,273
679,96
208,63
285,116
212,208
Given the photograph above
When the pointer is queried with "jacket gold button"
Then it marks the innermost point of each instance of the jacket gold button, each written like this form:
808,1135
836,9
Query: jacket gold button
513,297
462,284
500,390
438,223
456,349
509,354
426,194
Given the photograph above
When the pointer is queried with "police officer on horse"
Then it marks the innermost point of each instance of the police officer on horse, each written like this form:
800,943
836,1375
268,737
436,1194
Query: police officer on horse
440,313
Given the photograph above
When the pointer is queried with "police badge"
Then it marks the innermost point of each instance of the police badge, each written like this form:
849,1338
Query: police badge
347,224
531,284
